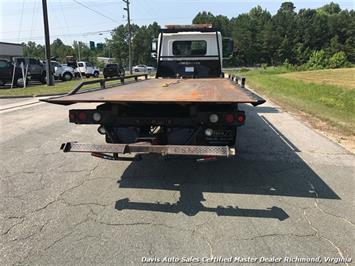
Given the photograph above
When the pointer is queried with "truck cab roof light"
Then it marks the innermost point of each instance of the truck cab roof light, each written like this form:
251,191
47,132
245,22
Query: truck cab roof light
191,26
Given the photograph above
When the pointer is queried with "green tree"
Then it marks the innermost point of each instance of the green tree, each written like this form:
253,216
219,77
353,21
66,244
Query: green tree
338,60
31,49
59,50
318,60
330,9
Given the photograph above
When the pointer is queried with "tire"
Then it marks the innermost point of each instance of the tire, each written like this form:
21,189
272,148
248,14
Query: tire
96,74
67,76
87,76
136,70
2,83
19,82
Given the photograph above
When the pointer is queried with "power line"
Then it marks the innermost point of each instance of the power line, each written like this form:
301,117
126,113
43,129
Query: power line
21,18
60,28
95,11
40,37
33,16
64,17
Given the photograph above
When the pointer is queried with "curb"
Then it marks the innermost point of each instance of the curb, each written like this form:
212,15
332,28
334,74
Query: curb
31,96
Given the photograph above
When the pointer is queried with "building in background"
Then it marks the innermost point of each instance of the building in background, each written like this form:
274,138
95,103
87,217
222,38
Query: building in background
106,60
10,50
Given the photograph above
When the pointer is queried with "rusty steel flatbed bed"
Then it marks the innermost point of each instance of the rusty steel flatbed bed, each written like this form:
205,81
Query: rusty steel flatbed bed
182,91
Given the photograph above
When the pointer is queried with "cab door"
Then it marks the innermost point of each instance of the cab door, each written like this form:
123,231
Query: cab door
89,69
35,67
6,69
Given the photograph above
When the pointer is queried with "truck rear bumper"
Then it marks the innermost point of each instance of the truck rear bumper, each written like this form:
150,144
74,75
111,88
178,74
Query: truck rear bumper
145,147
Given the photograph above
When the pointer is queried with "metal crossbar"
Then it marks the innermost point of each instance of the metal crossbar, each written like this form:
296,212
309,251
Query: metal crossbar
103,82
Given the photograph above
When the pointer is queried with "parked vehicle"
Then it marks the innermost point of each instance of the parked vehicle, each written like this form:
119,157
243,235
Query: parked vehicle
87,69
189,109
7,71
36,68
150,69
143,68
113,70
63,72
140,68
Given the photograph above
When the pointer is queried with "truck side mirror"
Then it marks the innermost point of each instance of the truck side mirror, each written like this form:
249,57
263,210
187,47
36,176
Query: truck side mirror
228,48
154,47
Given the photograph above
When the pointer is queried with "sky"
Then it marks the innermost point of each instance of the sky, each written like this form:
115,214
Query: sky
92,20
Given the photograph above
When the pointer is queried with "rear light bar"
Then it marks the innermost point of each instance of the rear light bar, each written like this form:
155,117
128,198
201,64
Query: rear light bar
85,116
92,116
239,118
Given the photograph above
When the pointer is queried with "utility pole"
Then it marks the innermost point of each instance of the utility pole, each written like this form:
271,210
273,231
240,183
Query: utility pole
79,58
50,80
129,37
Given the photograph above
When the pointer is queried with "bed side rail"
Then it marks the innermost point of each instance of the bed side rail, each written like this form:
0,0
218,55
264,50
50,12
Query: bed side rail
102,82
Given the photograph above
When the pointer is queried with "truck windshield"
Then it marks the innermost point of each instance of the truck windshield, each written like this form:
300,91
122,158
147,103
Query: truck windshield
188,48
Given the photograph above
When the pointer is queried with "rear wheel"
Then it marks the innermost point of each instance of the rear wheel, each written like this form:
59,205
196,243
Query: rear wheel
96,74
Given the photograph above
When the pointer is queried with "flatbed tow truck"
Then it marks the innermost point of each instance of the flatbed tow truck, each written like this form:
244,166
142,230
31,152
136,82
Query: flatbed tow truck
188,109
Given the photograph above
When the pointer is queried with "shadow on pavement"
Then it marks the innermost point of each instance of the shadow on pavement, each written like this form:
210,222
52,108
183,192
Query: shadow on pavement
267,164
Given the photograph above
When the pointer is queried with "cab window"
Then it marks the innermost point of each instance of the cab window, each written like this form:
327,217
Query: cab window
188,48
34,62
4,64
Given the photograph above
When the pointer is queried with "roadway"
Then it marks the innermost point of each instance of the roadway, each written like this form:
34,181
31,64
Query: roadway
290,193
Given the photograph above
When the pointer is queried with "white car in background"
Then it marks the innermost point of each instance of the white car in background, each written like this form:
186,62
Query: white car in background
143,68
87,69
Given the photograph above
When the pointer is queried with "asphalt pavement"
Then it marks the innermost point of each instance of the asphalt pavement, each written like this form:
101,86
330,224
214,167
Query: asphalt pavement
288,194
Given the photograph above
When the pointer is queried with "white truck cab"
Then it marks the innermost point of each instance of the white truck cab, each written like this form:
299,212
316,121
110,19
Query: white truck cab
191,51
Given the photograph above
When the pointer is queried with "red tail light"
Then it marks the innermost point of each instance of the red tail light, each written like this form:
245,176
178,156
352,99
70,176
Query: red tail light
229,118
240,118
71,117
82,116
